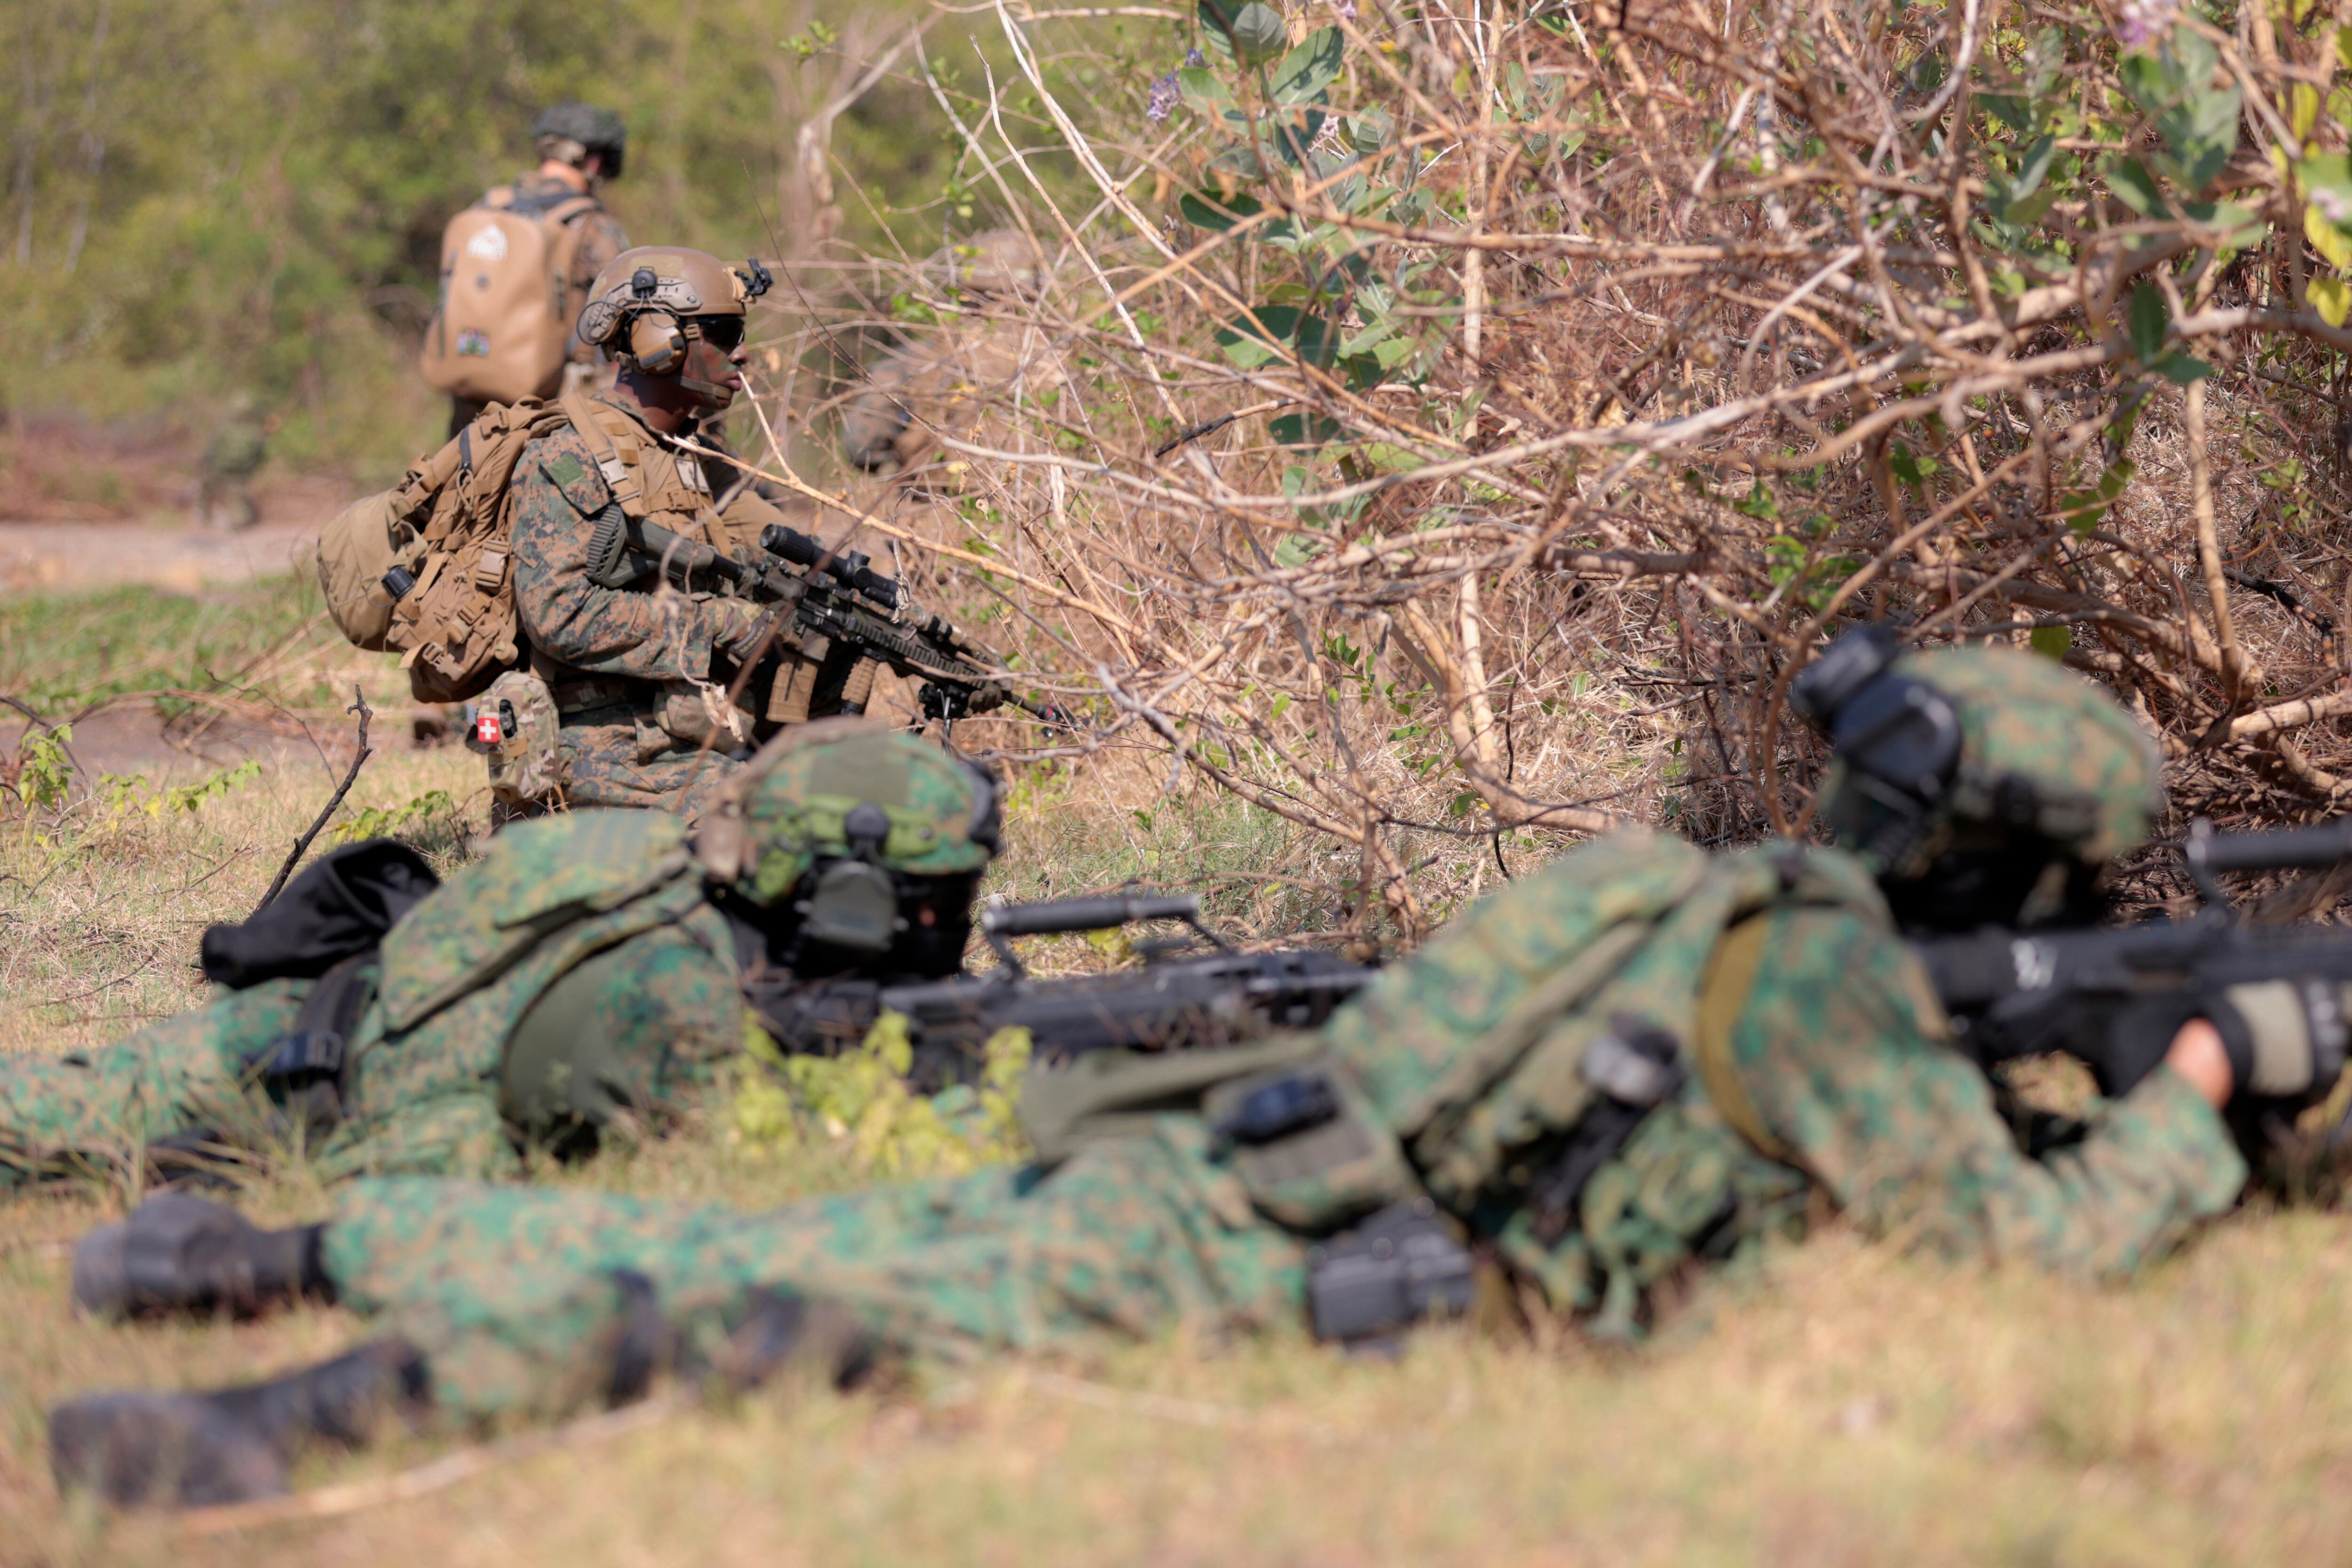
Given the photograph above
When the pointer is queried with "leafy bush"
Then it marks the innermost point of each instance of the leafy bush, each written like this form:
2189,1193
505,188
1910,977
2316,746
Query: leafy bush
858,1104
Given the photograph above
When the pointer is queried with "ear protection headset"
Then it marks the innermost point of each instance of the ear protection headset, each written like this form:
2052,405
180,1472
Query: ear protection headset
1899,737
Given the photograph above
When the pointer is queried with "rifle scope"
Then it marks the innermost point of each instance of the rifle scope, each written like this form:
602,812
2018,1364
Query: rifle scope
853,567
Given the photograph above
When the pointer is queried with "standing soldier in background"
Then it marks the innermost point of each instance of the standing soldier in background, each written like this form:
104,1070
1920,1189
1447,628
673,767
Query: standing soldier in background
511,291
233,455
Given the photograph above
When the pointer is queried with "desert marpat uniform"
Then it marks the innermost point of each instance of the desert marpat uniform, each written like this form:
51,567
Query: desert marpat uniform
1826,1047
623,662
636,960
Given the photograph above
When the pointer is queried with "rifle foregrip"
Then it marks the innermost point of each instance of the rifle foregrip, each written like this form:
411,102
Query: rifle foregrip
2326,844
1087,914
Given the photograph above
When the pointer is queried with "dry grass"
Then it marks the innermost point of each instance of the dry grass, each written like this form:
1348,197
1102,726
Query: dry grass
1844,1405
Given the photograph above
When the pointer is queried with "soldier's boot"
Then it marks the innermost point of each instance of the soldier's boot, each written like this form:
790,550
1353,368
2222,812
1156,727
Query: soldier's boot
178,1252
231,1445
787,1336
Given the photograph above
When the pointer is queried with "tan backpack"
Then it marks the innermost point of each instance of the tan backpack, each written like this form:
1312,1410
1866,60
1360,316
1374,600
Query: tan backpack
503,322
424,568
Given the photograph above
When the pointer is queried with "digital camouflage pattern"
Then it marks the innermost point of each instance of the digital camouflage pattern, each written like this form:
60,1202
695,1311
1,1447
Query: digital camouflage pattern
790,805
460,974
617,754
1836,1048
2096,774
525,766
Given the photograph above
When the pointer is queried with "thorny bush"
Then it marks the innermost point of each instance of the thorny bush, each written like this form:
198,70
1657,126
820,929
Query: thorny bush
1464,420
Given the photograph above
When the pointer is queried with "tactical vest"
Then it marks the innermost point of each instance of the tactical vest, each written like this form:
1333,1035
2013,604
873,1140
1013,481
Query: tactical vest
652,482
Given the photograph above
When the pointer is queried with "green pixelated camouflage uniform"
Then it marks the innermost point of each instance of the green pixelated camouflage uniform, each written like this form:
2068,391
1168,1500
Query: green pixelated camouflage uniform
1468,1054
609,904
577,972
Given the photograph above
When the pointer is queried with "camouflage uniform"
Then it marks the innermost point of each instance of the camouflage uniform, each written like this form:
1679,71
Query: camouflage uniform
656,973
623,663
578,971
1836,1050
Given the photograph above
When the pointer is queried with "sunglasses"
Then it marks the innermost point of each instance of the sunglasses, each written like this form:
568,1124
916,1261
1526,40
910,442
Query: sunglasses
724,334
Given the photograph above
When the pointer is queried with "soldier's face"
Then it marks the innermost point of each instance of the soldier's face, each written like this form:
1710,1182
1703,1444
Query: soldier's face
715,354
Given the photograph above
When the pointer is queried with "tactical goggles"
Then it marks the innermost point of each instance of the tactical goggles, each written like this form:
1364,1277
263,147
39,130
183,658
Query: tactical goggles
724,334
1899,737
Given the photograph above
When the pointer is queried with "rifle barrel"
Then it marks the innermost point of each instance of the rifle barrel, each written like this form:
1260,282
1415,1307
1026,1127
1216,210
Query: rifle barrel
2278,849
1103,913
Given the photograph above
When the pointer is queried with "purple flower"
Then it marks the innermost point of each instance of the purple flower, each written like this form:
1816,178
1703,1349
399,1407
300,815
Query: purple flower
1196,59
2144,21
1163,99
1344,9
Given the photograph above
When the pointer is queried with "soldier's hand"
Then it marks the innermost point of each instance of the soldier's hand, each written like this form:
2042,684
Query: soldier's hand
736,628
2284,1040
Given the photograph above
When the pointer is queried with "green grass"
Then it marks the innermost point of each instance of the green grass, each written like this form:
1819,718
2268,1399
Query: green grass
1840,1405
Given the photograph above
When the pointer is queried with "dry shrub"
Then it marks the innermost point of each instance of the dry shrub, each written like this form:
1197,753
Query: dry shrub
1455,425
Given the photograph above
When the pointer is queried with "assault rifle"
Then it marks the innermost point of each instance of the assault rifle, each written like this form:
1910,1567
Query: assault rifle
2017,994
1170,1003
836,595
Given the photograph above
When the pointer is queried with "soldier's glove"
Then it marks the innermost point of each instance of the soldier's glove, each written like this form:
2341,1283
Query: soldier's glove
2285,1038
737,628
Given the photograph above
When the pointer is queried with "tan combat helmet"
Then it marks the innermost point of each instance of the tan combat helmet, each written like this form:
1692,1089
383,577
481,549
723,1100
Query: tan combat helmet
647,302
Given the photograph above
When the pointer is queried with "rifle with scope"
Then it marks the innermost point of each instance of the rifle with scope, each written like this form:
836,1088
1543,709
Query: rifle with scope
1171,1002
838,596
2013,993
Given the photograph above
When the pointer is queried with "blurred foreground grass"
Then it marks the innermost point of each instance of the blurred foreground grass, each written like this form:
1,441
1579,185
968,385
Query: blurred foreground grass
1842,1405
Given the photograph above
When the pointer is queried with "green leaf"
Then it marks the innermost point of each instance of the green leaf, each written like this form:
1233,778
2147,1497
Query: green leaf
2051,642
2136,188
2147,322
1912,470
2332,298
1310,69
1303,429
2181,369
1255,30
2032,166
1202,210
1371,130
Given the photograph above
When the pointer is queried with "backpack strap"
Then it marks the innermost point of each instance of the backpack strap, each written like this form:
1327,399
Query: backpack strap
613,436
1722,996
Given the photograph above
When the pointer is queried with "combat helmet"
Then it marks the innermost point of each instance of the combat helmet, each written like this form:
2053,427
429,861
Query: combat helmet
1980,784
648,301
837,829
571,130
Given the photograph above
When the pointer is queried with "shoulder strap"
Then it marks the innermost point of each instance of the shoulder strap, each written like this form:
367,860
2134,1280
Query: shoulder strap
497,196
613,436
1723,996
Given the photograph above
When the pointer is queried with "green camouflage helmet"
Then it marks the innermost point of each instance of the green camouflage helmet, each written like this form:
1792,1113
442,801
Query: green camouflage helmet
794,804
2020,747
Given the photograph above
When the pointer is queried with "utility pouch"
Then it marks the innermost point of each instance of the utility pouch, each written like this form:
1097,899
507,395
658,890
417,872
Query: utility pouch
1308,1147
514,724
1402,1266
306,1071
1632,1068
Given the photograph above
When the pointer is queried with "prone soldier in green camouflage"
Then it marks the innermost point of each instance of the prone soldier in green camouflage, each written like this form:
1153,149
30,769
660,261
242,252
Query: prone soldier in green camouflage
590,968
1639,1058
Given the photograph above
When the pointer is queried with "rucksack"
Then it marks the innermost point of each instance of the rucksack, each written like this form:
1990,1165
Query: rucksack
425,569
503,321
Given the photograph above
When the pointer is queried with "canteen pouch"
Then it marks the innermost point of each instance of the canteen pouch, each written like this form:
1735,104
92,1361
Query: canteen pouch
1308,1145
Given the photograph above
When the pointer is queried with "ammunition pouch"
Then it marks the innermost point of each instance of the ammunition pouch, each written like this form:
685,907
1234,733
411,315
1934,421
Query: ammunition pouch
1632,1068
1401,1267
1308,1147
